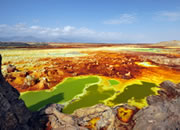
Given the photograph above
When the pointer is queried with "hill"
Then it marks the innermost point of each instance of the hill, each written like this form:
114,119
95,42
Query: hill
22,44
169,43
7,44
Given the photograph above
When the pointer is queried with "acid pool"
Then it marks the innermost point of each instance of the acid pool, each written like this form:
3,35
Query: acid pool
85,91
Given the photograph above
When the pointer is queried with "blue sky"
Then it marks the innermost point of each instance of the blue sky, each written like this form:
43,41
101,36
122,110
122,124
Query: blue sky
91,20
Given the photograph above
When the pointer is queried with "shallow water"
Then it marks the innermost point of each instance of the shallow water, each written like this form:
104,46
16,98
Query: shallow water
135,92
85,91
93,96
63,92
113,82
69,54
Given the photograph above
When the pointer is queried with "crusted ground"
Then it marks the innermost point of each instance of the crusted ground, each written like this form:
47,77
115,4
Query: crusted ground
44,68
162,113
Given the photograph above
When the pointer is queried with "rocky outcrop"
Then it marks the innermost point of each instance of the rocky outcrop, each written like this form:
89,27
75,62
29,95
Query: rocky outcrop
163,110
59,120
106,118
13,112
98,117
159,116
163,60
11,68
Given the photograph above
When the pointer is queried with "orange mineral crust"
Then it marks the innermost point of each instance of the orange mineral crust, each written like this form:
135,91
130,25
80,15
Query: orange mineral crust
92,123
125,114
44,68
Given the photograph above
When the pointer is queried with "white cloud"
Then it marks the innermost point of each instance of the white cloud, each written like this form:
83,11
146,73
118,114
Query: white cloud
35,27
68,29
123,19
67,33
169,16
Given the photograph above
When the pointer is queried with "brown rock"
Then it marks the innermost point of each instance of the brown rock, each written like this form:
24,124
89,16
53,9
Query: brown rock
59,120
169,90
11,68
154,99
163,110
159,116
30,81
96,117
13,112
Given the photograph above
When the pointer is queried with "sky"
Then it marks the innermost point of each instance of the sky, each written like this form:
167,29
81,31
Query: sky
107,21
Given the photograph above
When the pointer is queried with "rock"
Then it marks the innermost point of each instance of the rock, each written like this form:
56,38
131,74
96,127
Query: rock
13,112
59,120
11,68
43,83
48,109
30,81
98,116
159,116
163,110
153,99
103,117
128,74
125,113
170,89
163,59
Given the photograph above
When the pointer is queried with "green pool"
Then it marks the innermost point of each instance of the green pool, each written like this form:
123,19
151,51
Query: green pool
85,91
93,96
113,82
63,92
136,92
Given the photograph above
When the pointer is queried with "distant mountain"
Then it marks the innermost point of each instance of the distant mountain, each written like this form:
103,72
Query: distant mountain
21,39
33,39
53,39
25,41
14,44
168,43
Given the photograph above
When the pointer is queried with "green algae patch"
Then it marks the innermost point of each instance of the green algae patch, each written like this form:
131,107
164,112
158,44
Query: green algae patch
135,94
93,96
63,92
155,50
113,82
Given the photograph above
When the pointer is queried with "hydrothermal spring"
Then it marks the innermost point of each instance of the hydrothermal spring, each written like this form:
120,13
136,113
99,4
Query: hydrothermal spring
85,91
